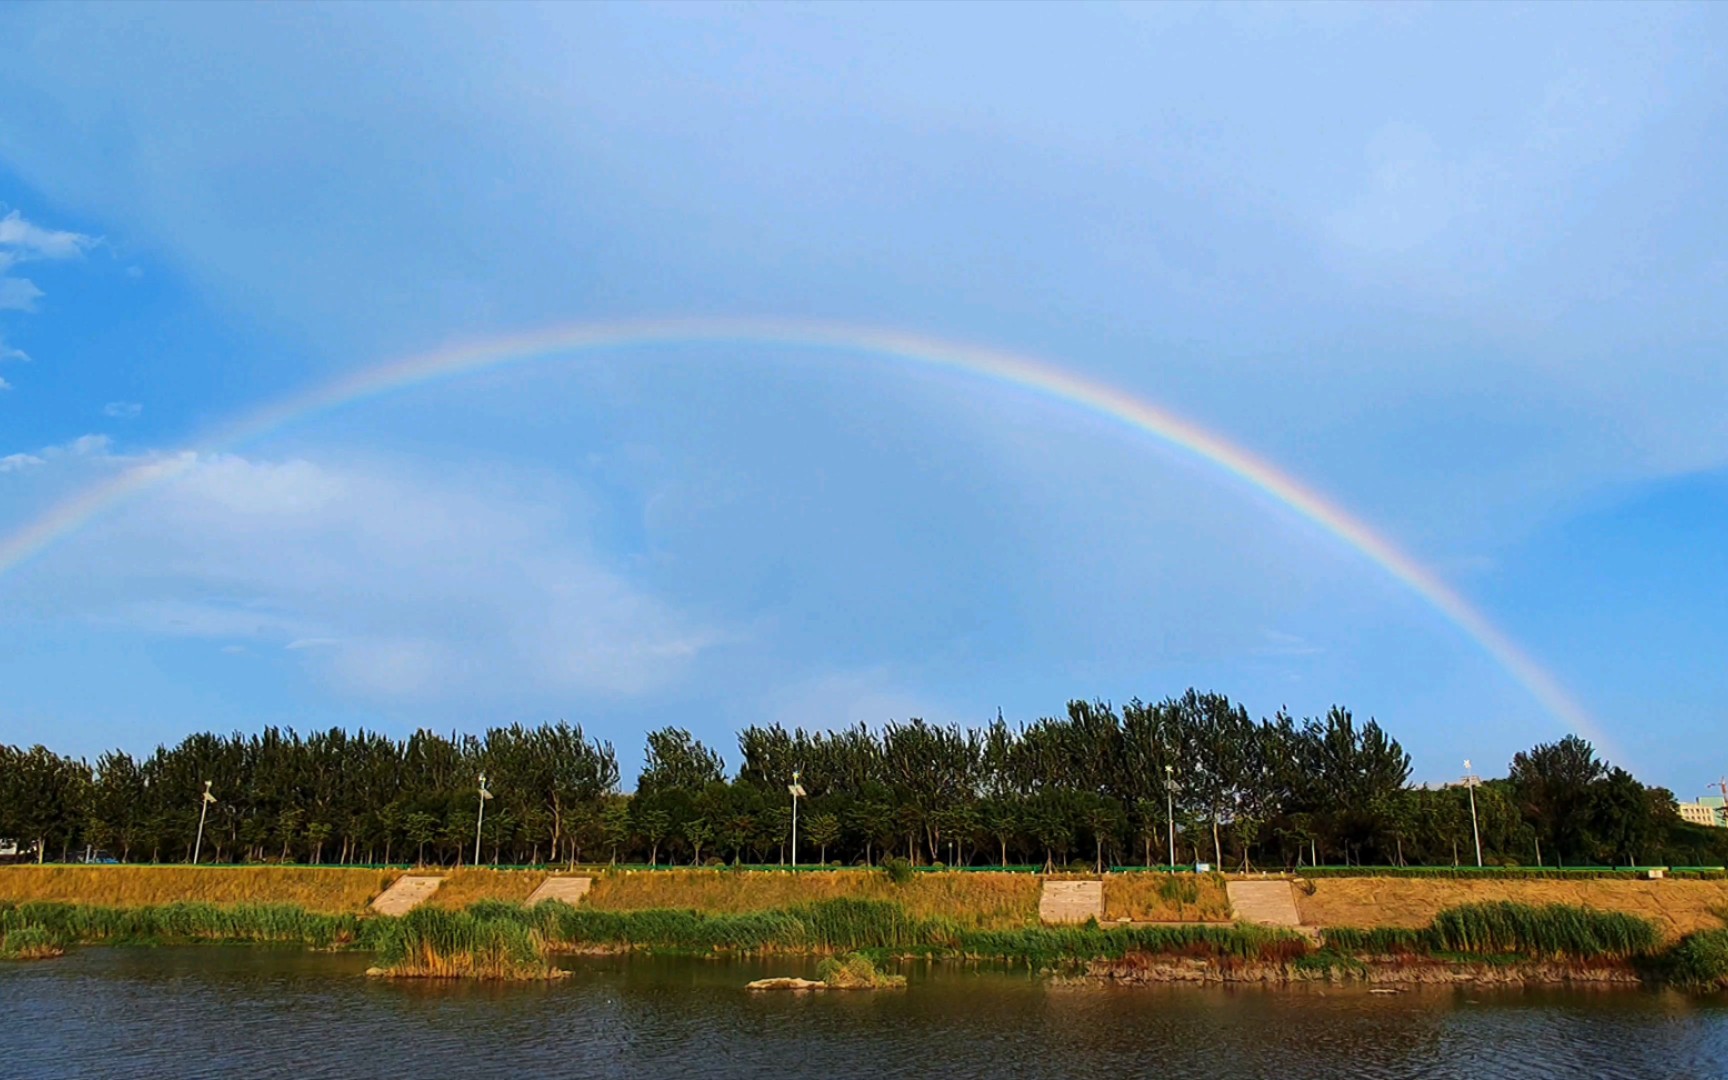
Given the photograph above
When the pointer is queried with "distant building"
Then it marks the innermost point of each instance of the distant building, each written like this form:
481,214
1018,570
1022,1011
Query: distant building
1710,810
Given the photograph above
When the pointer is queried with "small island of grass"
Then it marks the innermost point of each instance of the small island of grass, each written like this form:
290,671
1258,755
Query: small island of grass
432,943
853,972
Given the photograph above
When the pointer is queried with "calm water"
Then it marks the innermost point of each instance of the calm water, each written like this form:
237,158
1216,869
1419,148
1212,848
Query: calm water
248,1012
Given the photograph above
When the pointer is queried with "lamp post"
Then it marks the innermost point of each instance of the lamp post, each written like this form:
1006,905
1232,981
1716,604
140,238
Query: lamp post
480,819
796,789
1470,782
1170,810
203,812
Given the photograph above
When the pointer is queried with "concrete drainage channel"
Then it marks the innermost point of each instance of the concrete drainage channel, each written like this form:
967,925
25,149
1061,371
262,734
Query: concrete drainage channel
570,890
1069,902
405,894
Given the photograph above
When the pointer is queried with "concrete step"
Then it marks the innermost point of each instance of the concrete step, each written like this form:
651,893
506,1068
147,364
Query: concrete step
1268,903
570,890
408,893
1071,901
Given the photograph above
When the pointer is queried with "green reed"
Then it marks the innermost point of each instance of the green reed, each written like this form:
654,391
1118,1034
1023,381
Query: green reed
437,943
1558,931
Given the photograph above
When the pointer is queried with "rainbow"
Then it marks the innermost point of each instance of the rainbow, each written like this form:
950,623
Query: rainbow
988,364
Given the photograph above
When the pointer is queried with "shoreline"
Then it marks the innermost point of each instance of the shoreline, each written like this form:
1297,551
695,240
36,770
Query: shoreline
1489,941
1397,976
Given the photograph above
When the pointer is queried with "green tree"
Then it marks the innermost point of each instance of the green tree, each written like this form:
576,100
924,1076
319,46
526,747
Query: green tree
823,829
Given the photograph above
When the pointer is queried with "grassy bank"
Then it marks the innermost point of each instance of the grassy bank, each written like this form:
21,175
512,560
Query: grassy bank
496,940
330,890
462,888
1676,908
1166,898
978,900
881,927
183,923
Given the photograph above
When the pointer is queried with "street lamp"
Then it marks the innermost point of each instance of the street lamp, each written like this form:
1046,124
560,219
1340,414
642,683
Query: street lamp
203,811
796,789
1170,810
1470,782
481,818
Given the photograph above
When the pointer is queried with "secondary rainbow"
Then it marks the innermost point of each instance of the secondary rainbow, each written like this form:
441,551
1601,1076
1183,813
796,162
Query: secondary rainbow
984,363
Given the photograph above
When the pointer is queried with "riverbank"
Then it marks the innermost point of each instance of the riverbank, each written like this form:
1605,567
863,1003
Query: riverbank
476,917
321,889
1499,943
983,900
1403,973
1676,907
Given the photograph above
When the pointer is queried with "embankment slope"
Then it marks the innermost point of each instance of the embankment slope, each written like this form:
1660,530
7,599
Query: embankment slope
324,890
1676,907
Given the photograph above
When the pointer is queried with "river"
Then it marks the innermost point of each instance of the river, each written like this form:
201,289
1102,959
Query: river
255,1012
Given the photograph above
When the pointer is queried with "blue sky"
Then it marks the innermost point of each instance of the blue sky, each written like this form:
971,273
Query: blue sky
1461,268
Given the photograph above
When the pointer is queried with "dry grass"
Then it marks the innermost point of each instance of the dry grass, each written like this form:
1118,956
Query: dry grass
1162,897
975,901
327,890
1676,907
464,887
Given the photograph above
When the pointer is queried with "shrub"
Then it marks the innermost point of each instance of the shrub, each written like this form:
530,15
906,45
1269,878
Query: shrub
856,972
1700,961
899,870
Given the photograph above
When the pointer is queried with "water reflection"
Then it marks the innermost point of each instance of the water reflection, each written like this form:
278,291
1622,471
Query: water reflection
288,1013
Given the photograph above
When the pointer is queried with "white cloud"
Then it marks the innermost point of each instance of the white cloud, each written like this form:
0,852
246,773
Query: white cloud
27,241
21,242
85,446
392,583
4,385
19,294
122,410
1277,643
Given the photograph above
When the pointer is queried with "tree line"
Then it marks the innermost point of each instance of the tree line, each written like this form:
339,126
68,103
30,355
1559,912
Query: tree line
1186,780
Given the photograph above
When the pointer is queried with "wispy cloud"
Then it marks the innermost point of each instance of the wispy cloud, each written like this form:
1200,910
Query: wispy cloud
19,294
122,410
22,242
1279,643
392,583
311,643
